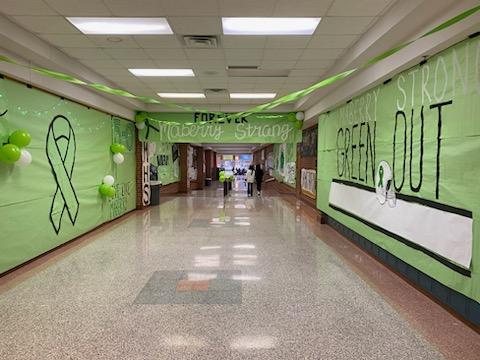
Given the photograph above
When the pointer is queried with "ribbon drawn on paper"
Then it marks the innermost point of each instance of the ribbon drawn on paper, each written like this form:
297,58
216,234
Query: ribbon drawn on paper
60,148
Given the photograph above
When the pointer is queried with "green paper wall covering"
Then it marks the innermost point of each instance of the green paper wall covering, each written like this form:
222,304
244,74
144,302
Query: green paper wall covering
377,125
79,138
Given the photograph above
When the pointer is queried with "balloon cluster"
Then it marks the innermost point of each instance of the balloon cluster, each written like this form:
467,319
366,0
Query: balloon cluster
13,152
106,188
221,176
118,150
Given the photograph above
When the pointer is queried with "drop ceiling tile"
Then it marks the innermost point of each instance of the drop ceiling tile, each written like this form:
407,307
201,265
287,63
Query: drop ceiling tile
145,8
46,24
79,8
287,42
246,8
241,54
242,87
302,7
87,53
266,88
210,73
102,64
216,83
190,7
26,7
313,64
243,42
208,64
332,41
195,25
166,54
173,64
307,72
137,64
344,25
243,62
284,54
302,80
321,54
116,72
204,54
358,7
114,41
127,54
274,64
157,41
68,40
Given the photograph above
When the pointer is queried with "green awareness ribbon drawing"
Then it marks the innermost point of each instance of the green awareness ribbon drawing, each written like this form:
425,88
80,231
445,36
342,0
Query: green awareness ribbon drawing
61,148
380,175
260,108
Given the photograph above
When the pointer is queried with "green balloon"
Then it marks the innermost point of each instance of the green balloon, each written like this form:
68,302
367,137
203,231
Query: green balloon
118,148
20,138
10,153
106,190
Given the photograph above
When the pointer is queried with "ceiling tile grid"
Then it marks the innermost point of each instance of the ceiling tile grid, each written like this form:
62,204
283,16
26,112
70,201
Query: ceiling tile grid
305,57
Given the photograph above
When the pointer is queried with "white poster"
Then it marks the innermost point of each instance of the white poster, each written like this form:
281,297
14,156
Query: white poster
442,232
146,148
290,173
308,182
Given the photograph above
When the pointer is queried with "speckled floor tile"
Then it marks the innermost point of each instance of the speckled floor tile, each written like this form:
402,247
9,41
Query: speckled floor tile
287,294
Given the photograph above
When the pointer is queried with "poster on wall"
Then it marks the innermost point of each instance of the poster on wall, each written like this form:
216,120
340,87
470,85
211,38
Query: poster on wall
308,147
192,163
175,161
281,160
290,173
70,151
308,182
404,151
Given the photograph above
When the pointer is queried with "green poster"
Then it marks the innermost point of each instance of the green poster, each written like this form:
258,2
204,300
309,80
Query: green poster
195,128
285,156
165,163
399,165
56,198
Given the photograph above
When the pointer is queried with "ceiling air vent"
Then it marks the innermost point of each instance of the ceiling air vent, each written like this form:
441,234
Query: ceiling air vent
200,41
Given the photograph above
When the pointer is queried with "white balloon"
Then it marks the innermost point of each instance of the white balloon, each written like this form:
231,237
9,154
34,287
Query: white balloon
300,115
118,158
108,180
25,158
140,125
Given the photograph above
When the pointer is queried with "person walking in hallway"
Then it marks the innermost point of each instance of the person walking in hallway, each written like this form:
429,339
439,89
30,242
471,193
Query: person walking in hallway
259,178
250,179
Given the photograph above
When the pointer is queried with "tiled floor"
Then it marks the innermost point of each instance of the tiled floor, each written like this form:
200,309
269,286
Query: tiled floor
200,278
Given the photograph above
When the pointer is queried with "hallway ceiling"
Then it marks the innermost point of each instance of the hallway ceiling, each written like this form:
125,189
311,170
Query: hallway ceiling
304,58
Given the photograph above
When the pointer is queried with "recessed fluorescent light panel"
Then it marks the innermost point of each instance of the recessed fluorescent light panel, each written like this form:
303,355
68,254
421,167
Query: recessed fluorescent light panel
269,26
121,26
162,72
182,95
252,95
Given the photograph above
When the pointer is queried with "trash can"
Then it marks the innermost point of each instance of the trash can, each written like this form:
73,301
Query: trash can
208,181
155,192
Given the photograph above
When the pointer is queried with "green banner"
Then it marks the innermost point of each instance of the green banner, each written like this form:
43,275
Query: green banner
56,197
165,164
400,163
200,127
284,161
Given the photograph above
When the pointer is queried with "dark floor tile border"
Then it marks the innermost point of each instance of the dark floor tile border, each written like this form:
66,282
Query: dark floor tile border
467,308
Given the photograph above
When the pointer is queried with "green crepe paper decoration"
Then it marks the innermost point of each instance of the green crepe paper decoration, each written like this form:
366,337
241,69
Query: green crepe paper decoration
106,190
118,148
260,108
10,153
20,138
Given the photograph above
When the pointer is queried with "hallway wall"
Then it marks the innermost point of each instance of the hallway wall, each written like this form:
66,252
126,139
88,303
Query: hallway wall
423,124
56,197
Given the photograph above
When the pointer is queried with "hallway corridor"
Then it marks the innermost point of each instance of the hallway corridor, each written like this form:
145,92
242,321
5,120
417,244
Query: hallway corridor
200,278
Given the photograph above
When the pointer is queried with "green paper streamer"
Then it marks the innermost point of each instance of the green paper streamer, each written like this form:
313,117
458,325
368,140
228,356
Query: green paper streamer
260,108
